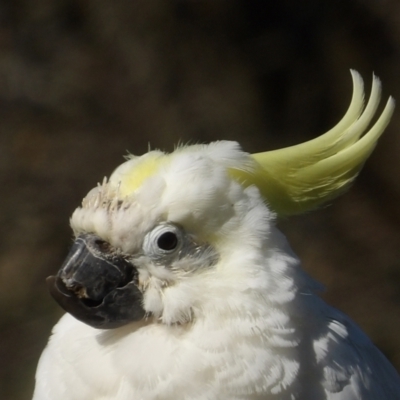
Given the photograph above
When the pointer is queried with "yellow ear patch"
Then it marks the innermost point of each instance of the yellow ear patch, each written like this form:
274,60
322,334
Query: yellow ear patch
299,178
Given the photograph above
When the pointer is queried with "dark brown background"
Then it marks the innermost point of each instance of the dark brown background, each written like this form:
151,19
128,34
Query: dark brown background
82,81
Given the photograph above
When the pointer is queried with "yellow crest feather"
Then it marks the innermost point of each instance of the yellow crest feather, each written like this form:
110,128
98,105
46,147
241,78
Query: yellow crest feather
131,175
299,178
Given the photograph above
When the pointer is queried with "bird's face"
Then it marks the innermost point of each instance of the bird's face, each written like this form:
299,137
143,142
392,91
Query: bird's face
105,287
152,241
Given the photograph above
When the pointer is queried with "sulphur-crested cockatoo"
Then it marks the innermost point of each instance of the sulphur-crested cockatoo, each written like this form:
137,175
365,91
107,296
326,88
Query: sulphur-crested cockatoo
180,286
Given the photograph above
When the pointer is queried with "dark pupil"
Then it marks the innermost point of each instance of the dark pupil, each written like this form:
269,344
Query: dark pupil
167,241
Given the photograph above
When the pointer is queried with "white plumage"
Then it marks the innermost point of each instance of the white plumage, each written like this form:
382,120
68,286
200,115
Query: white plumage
227,311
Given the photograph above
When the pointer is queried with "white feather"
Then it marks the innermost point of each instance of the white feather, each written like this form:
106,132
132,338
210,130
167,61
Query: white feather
248,327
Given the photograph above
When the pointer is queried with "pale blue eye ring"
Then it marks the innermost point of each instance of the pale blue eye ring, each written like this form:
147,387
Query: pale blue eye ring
165,238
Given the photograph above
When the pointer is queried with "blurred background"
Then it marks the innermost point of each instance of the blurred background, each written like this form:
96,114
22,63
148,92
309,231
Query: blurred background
84,81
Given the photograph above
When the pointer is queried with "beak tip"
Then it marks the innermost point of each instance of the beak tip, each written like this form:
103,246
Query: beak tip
50,280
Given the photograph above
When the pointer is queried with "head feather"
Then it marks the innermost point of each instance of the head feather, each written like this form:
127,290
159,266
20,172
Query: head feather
299,178
130,175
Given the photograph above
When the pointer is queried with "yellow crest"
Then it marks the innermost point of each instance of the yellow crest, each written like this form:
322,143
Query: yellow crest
296,179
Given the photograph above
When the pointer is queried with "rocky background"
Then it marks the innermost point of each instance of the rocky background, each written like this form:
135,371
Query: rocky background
83,81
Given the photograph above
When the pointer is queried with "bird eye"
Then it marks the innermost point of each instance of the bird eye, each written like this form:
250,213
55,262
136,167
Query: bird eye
167,241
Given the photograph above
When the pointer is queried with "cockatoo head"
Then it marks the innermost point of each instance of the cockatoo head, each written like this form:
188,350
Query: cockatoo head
169,234
152,237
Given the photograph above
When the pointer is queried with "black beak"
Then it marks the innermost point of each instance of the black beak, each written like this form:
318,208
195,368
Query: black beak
97,286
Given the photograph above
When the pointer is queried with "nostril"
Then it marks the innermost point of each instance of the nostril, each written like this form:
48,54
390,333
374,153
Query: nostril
102,245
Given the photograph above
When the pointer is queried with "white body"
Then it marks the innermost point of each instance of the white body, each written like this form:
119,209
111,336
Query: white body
249,327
